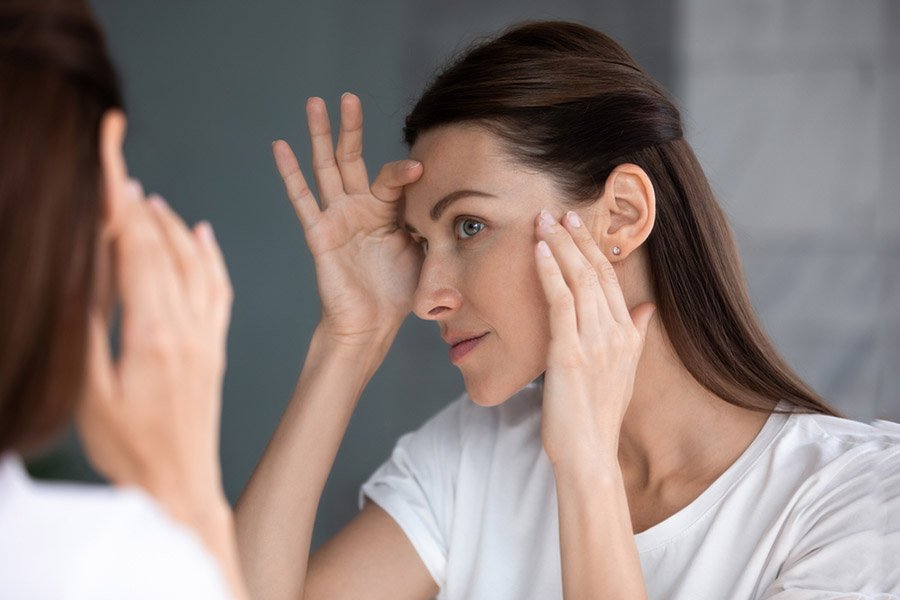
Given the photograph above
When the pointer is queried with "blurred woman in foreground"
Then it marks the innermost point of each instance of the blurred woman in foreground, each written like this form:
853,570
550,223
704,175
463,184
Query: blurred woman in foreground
78,238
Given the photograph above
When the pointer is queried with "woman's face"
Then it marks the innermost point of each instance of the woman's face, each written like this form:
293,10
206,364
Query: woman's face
474,211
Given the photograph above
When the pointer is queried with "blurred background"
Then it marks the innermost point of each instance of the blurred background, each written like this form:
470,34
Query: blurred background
791,106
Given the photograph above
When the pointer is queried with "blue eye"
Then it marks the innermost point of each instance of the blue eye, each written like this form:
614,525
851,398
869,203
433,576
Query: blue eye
466,228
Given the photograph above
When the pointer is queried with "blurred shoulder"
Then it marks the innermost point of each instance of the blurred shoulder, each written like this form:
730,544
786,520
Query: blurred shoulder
101,541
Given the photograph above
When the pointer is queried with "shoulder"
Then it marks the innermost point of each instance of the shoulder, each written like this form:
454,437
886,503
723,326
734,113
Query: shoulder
842,521
840,442
151,555
839,470
103,542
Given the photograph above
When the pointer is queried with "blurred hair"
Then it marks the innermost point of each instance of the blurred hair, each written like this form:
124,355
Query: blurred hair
56,82
572,103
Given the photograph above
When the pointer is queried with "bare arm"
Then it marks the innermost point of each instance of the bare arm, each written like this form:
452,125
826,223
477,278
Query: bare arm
276,511
366,271
595,346
370,558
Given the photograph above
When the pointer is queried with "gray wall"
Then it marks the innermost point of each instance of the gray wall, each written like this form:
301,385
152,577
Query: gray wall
211,84
792,108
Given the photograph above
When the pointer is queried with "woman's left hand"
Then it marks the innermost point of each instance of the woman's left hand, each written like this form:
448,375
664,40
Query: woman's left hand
595,344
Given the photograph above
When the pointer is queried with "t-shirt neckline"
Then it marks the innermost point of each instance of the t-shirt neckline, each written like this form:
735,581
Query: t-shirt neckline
663,532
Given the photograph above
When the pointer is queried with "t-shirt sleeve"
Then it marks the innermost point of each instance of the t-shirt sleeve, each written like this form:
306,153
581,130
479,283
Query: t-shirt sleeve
850,543
141,554
415,486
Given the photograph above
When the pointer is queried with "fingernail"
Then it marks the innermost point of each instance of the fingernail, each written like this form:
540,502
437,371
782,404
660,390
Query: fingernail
547,219
205,231
157,202
134,190
573,219
411,164
543,248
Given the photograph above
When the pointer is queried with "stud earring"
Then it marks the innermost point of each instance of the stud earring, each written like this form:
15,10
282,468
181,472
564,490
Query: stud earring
616,251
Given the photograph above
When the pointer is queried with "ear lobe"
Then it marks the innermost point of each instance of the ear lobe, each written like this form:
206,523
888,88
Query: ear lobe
112,164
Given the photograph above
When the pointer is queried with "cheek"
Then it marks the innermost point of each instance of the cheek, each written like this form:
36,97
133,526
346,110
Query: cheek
527,301
513,304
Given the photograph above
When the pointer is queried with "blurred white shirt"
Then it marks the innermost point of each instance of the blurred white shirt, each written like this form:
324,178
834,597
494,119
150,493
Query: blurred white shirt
810,510
67,541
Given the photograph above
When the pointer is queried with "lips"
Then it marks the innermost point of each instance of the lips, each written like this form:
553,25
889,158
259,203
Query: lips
463,345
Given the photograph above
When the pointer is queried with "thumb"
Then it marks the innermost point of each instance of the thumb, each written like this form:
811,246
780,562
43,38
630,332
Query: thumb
641,316
388,186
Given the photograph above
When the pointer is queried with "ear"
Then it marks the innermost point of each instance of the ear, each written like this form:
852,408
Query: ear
626,211
113,167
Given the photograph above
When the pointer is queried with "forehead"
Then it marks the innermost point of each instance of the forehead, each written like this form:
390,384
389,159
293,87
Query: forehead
459,157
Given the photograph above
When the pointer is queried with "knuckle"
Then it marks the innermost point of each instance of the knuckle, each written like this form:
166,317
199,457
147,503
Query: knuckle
617,340
569,359
587,277
563,301
607,271
324,162
349,156
299,190
386,171
156,340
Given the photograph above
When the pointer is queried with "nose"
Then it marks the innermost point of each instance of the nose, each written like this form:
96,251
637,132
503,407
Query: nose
436,296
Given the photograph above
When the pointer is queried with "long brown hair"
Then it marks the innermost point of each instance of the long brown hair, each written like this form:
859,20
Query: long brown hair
571,102
56,82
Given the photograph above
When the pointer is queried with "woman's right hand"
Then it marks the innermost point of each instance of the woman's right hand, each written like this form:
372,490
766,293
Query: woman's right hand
367,266
150,417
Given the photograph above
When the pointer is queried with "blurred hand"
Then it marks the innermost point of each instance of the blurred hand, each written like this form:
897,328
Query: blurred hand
367,267
151,418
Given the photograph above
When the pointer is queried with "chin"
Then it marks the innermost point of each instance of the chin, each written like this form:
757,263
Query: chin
493,391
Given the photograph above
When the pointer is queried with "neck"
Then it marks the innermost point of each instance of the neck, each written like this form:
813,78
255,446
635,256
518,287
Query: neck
675,429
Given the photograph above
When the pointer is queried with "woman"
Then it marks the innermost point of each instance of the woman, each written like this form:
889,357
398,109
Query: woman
76,239
628,430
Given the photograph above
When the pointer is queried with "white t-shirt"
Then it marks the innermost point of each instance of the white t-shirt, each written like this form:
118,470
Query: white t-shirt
811,510
66,541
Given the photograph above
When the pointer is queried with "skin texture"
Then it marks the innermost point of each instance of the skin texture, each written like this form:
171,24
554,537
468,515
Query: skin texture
631,436
150,417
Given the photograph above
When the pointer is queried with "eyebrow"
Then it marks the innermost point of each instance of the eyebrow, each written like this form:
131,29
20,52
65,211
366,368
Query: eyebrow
441,205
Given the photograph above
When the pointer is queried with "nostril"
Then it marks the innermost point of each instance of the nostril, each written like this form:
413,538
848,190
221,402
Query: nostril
436,311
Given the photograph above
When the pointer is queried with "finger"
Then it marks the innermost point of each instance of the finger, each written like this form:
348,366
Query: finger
325,169
185,254
298,192
388,186
146,278
609,281
578,273
641,316
563,318
100,369
220,281
349,147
